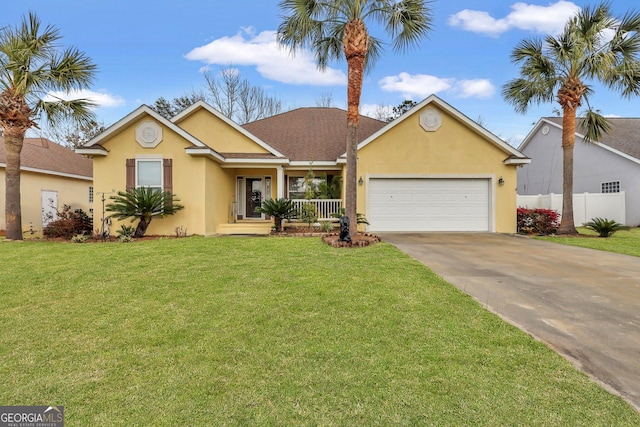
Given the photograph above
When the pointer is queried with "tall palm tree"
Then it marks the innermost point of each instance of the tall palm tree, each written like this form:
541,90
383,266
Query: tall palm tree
32,66
594,46
333,28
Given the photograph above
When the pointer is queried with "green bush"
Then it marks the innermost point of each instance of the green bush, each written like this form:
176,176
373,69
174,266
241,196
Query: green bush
279,209
308,213
125,231
603,226
326,226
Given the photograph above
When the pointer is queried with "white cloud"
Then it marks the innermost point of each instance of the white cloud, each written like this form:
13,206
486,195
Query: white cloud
101,99
541,19
478,88
270,59
419,86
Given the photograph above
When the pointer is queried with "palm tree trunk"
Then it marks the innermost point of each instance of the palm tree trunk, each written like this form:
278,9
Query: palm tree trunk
13,147
567,225
356,44
141,229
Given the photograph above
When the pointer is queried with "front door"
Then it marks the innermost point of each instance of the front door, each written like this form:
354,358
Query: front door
253,197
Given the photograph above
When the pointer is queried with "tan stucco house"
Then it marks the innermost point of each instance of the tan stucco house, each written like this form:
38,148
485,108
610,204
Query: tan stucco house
50,176
433,169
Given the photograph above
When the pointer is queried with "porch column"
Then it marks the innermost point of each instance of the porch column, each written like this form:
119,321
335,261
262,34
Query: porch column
280,182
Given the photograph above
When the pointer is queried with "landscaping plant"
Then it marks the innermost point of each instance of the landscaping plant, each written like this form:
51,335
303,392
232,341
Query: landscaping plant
537,221
603,226
279,209
143,204
68,224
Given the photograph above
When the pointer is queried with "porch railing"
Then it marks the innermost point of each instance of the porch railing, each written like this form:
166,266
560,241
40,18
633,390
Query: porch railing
324,207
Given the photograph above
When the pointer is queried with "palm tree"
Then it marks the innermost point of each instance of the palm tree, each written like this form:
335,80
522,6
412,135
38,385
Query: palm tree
279,209
333,28
31,67
594,46
143,203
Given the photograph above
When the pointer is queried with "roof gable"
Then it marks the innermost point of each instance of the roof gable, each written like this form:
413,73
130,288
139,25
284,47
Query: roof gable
313,134
95,147
624,135
513,155
201,106
45,156
623,139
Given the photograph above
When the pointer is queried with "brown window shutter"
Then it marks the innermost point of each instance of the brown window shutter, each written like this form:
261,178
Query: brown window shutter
131,174
167,164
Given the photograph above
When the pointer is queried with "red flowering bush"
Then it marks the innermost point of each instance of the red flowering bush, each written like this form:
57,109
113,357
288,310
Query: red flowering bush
537,221
69,223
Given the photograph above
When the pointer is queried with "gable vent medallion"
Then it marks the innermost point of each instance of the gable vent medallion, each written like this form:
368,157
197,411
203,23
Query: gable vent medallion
431,120
148,134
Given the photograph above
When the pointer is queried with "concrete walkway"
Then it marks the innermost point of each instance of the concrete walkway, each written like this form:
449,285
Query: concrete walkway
583,303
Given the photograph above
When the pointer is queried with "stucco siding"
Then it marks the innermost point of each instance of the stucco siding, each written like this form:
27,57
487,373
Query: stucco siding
188,178
453,150
218,134
71,191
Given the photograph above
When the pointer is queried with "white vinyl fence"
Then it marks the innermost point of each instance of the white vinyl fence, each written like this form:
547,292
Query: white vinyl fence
586,206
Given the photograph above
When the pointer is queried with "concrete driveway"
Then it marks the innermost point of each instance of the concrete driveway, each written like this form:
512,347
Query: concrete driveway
583,303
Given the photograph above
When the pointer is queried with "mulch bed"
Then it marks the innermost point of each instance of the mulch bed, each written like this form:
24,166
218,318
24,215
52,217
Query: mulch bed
332,239
358,241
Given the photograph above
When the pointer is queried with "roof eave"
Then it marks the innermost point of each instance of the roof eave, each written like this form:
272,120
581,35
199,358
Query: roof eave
92,151
517,161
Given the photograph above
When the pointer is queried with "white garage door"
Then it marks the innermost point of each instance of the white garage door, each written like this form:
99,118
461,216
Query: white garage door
428,204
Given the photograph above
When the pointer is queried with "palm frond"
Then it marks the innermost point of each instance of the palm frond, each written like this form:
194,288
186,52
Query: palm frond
79,111
593,126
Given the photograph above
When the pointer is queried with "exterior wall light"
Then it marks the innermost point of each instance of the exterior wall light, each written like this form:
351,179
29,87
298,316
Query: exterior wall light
500,181
361,181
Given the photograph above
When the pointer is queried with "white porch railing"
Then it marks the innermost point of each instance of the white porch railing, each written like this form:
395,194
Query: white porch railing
324,207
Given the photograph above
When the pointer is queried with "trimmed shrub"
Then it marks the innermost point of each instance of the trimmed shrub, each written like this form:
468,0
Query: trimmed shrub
603,226
69,223
537,221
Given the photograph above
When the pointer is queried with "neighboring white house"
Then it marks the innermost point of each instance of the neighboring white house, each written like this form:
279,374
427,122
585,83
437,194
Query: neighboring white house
607,166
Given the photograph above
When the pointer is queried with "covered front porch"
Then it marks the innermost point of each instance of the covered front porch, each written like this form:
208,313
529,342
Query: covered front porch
254,185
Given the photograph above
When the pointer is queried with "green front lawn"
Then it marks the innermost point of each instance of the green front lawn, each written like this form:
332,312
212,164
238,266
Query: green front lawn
270,331
623,242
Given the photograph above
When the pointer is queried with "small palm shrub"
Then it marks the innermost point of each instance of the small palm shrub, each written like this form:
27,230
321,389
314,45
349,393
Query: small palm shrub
603,226
279,209
126,231
143,204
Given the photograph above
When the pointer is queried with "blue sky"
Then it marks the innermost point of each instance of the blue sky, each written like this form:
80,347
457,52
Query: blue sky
147,49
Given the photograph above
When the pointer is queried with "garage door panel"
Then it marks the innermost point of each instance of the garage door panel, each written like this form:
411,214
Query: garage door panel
421,204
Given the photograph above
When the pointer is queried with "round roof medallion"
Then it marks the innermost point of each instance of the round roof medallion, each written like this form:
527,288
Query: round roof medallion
545,129
148,134
431,120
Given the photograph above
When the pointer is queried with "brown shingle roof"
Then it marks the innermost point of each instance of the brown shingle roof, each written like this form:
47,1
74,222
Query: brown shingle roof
40,153
314,134
624,135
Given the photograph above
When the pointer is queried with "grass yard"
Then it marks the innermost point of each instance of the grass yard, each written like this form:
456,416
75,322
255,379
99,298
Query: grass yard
623,242
270,331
